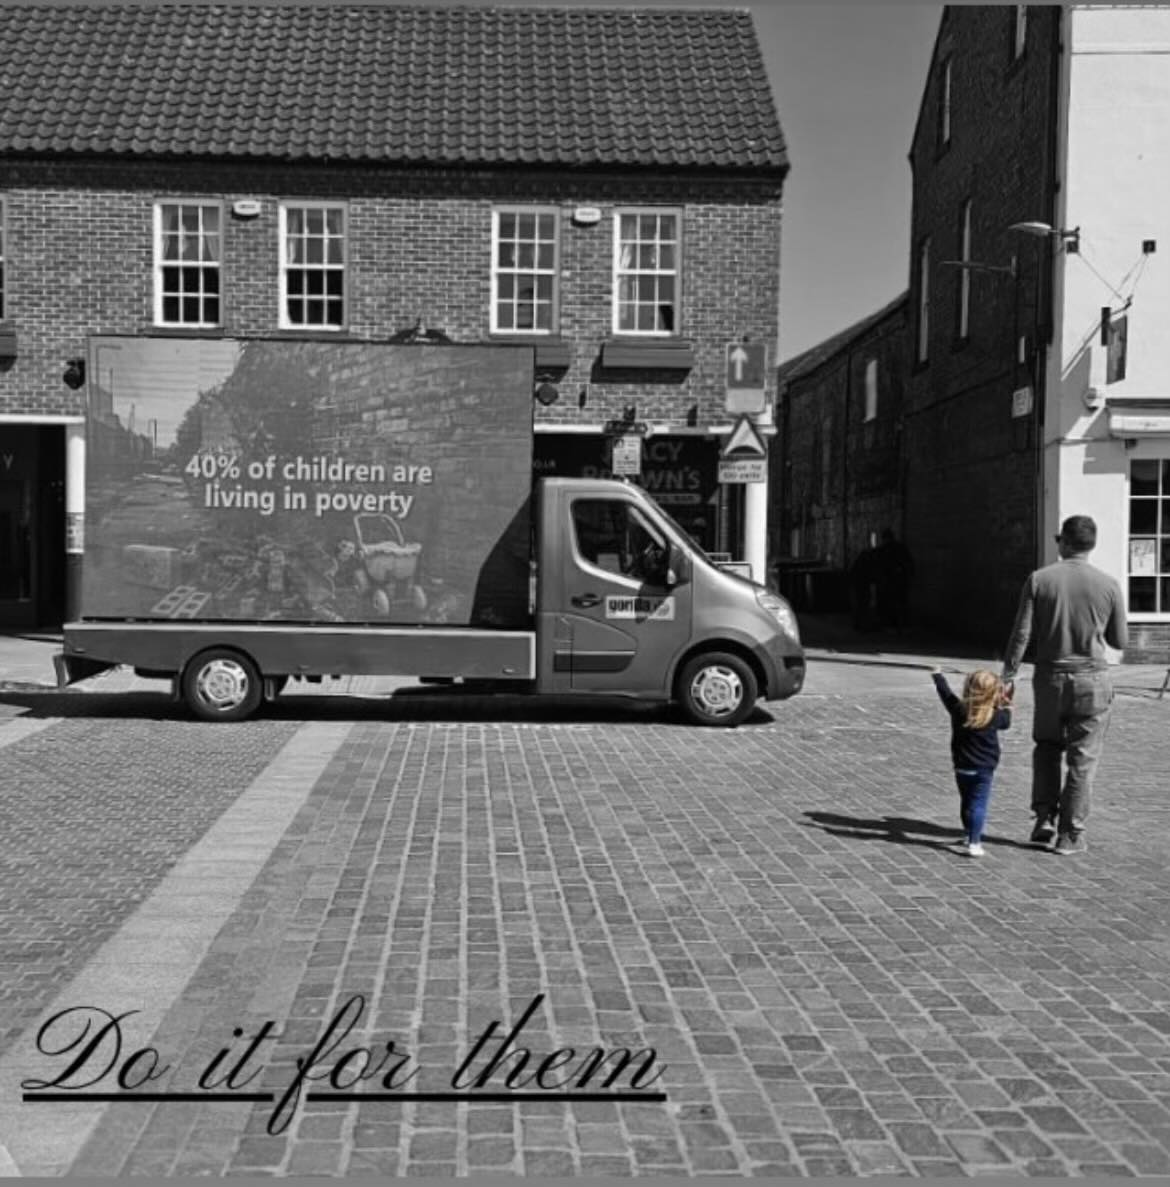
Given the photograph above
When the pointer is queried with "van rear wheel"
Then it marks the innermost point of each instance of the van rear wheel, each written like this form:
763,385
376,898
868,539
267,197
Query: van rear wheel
222,685
717,689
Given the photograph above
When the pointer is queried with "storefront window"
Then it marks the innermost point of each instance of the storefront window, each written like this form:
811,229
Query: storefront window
1149,536
187,264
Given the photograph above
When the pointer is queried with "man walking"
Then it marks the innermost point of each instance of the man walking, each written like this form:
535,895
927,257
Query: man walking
1070,609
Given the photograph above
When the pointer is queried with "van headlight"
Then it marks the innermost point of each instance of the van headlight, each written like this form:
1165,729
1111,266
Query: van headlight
781,611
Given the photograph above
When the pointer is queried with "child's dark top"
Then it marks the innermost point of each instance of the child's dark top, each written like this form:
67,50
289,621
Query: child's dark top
971,749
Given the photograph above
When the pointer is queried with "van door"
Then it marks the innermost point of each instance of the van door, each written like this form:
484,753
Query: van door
625,622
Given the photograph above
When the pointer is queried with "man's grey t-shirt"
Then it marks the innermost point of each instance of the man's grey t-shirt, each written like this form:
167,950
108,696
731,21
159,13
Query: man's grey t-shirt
1071,610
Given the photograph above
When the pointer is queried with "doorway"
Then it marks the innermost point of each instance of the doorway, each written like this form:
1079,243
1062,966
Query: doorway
32,526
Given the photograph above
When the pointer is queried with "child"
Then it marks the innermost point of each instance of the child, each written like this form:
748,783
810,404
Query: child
976,717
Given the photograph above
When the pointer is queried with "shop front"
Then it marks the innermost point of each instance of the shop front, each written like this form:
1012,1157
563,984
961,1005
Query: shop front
680,471
32,526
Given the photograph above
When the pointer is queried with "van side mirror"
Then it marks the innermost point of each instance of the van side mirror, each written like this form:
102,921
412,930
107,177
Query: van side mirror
678,567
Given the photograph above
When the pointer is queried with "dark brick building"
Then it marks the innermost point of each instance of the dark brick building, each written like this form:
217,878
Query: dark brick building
604,184
983,158
837,465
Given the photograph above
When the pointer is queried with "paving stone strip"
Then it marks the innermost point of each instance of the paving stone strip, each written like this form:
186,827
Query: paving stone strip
153,956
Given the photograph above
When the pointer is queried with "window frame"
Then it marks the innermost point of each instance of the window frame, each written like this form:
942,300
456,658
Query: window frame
285,322
535,271
922,328
963,306
635,517
1160,536
161,264
871,390
676,213
1019,32
945,96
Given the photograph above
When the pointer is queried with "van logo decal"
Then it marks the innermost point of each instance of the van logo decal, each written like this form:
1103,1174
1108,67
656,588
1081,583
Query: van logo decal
638,607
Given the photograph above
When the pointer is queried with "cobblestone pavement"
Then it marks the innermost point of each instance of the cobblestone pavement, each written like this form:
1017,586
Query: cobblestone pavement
773,910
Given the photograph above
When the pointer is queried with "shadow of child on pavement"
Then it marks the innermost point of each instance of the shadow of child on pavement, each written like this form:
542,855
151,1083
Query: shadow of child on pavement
900,830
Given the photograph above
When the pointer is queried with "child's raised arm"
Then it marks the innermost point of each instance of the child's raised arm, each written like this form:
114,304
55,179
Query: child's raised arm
943,689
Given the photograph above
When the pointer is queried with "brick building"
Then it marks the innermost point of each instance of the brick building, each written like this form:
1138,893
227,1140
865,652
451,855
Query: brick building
604,184
983,157
837,463
1038,387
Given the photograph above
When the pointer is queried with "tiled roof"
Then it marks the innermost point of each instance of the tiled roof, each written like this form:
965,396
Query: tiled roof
808,361
453,86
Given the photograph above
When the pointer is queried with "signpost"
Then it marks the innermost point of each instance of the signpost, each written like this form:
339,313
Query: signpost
745,456
747,365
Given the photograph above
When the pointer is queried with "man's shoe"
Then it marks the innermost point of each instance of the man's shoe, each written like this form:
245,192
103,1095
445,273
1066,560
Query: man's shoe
1044,830
1067,845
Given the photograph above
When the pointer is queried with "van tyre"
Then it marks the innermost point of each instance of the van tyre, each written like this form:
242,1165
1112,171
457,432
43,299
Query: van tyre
222,685
717,689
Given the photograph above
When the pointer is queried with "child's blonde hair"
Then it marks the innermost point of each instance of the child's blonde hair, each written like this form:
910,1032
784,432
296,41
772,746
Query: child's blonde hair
982,696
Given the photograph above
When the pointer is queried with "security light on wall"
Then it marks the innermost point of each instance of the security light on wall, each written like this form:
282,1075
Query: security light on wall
74,377
1069,240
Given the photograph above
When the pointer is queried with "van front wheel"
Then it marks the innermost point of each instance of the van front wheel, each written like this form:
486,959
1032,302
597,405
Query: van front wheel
717,689
222,685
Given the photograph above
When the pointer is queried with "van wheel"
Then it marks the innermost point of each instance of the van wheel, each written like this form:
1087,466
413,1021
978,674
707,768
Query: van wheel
222,685
717,689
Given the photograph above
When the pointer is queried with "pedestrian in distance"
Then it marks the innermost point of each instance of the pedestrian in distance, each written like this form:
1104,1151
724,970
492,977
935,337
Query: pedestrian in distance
894,569
1069,610
976,719
862,583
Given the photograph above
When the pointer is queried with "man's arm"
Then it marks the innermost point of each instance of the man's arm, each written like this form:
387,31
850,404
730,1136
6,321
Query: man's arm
1021,633
1116,629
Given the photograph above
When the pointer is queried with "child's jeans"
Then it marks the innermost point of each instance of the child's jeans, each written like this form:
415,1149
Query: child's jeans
974,797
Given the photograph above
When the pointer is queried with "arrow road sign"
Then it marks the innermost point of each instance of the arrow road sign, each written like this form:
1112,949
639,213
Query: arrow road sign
746,365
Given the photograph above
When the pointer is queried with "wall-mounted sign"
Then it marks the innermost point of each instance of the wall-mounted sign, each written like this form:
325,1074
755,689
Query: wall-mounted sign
1022,401
1116,349
1143,558
587,216
627,456
246,208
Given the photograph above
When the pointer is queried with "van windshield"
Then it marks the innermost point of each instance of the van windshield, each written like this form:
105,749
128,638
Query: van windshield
682,536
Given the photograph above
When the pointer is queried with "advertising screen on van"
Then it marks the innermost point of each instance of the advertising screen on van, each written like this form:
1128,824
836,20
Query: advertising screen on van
288,481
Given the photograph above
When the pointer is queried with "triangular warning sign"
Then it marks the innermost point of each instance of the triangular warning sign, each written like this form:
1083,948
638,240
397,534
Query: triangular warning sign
744,441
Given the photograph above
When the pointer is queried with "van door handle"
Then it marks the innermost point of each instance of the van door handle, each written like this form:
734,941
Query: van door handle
586,600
